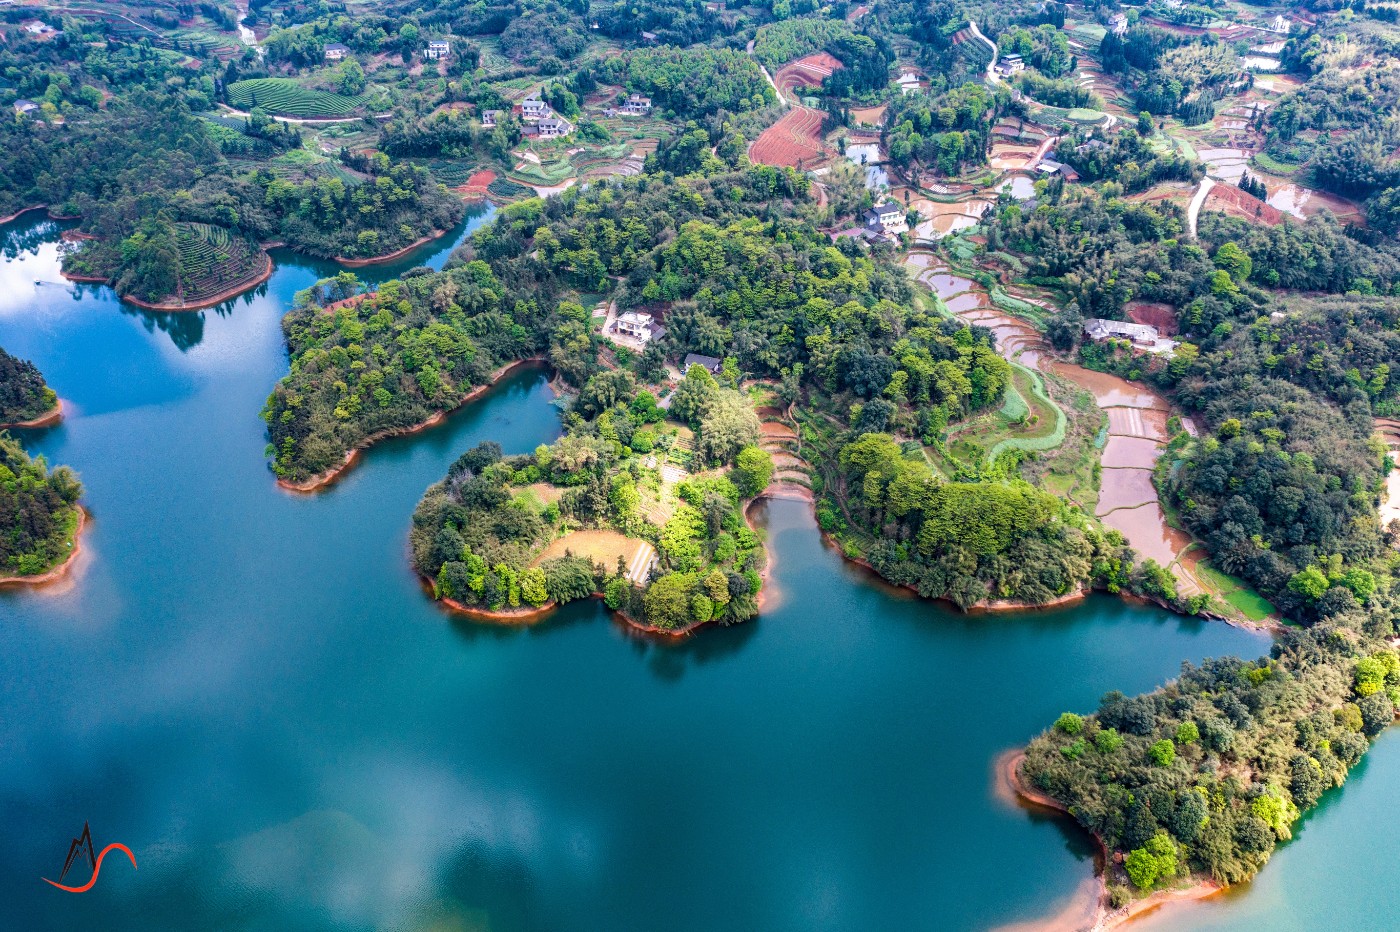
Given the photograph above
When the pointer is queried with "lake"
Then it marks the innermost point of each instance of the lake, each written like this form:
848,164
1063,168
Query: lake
250,690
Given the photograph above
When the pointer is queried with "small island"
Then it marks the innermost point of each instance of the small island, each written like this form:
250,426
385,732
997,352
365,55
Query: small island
641,509
25,399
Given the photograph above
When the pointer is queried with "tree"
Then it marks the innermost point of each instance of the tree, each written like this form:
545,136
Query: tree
1163,752
727,425
1157,860
753,470
694,395
1309,583
532,587
351,79
717,587
1231,258
1069,723
667,601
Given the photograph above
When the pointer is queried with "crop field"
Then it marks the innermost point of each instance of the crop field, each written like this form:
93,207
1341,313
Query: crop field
795,140
213,260
288,98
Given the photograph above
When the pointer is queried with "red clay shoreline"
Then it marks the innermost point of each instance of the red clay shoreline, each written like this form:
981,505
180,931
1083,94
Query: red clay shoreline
58,572
530,615
983,607
220,298
47,419
323,479
390,256
1010,784
21,212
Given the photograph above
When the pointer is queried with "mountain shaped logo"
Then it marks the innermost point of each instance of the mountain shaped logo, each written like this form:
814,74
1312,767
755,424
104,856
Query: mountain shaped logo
82,845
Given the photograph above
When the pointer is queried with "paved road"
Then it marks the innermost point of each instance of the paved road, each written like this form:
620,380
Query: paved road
1197,200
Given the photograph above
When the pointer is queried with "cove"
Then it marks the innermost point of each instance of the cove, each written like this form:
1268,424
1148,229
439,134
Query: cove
250,690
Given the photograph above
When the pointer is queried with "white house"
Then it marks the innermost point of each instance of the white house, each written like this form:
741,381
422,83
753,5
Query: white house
1010,64
1119,24
550,127
489,118
1281,25
335,51
438,48
532,108
888,217
634,324
25,106
1142,336
637,104
36,27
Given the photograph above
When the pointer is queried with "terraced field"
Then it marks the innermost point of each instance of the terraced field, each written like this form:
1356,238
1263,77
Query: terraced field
285,97
214,261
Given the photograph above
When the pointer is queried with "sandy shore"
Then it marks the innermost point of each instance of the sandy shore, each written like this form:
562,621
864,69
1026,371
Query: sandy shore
390,256
323,479
58,572
47,419
1088,910
212,300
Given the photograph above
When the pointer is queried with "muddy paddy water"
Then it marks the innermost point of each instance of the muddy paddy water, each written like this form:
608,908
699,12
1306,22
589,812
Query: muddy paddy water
1137,418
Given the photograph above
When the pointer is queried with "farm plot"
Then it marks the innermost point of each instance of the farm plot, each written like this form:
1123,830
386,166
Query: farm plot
213,260
795,140
288,98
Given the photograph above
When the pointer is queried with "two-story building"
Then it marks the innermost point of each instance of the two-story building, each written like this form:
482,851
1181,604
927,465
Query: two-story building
1010,64
489,118
637,104
551,127
635,325
335,51
438,48
532,109
887,218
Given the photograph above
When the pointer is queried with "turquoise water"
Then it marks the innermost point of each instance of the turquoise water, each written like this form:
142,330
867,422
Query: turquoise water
250,690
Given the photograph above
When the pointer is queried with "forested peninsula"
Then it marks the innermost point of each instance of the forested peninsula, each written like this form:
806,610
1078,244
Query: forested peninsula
40,517
25,399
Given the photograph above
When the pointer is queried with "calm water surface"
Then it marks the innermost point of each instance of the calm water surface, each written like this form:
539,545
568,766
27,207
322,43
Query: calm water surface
250,690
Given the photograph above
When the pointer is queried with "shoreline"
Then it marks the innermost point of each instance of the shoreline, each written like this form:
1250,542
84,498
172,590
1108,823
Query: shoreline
212,300
21,212
984,607
525,617
389,256
59,571
530,616
322,479
47,419
1009,786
